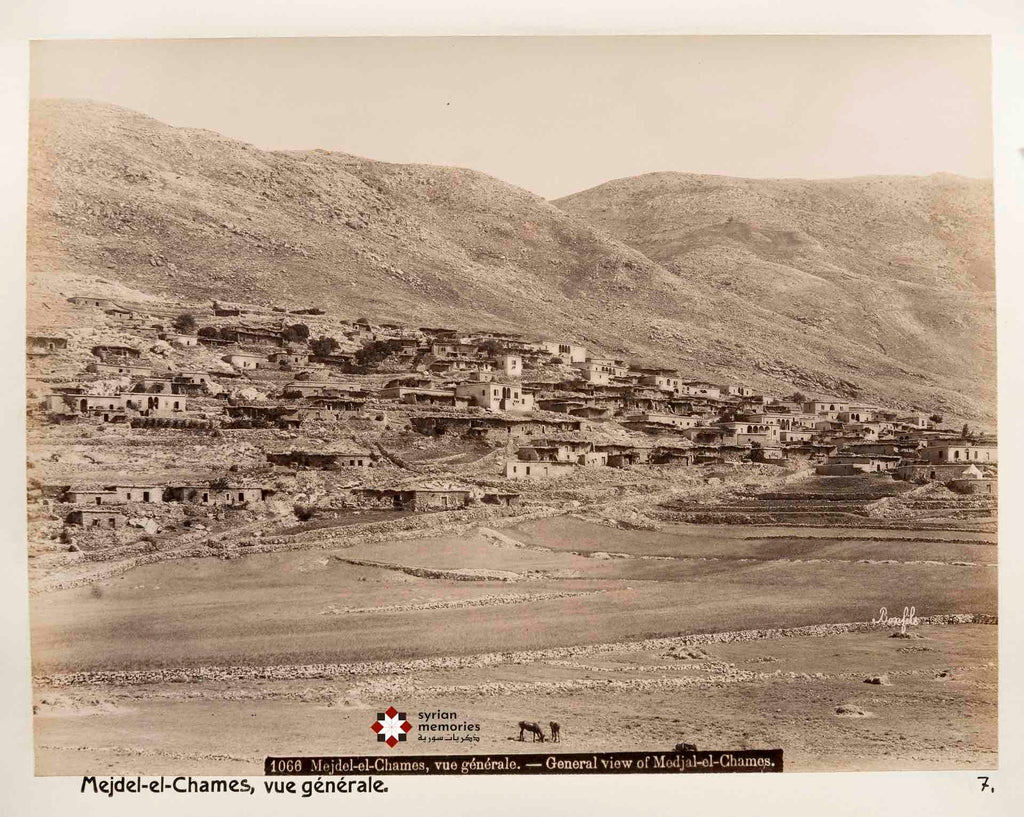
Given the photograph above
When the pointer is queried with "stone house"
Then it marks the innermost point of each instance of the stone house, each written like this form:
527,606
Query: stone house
673,420
89,300
510,365
496,429
180,340
545,453
96,518
768,453
672,455
163,403
91,496
957,451
245,360
139,493
699,388
791,436
45,344
424,397
662,381
595,375
514,469
200,494
624,456
326,460
418,499
567,353
846,464
287,360
830,407
496,396
108,351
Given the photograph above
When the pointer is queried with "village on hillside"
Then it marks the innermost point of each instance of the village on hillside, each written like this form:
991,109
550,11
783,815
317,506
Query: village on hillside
331,419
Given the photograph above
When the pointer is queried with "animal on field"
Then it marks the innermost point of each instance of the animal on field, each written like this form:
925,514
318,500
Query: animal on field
685,747
533,728
555,731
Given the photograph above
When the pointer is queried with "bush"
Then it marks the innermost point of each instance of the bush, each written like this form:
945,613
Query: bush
304,512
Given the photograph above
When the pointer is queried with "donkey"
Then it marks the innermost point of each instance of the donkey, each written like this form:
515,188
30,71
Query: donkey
555,732
533,728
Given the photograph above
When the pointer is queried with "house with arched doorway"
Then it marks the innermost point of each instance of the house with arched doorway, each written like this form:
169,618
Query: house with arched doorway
959,451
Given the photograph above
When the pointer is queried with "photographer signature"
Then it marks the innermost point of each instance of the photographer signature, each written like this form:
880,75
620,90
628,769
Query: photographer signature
908,619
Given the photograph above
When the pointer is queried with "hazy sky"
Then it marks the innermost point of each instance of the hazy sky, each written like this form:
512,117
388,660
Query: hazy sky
558,115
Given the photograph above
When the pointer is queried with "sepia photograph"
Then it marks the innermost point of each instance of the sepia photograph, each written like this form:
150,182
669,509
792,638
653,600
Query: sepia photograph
532,404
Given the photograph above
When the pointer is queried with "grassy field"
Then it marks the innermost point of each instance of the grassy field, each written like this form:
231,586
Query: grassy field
290,608
742,541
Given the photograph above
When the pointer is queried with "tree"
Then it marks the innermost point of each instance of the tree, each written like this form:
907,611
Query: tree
324,346
936,418
297,332
799,397
185,323
376,351
491,346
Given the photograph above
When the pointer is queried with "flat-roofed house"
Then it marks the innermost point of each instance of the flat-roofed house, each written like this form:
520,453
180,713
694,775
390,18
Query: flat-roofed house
496,396
90,300
217,494
829,407
957,451
112,351
662,381
91,496
567,353
149,494
325,460
96,518
417,498
245,360
514,469
510,365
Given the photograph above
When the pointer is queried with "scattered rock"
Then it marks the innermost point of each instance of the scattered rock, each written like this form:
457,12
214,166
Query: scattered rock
852,711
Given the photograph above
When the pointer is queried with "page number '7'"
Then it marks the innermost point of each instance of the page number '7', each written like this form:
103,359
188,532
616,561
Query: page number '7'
985,786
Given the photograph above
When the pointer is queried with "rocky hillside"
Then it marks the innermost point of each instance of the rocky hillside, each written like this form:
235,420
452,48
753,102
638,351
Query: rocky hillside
885,268
807,294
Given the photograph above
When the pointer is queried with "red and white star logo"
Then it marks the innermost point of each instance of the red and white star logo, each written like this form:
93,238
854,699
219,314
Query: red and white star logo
391,726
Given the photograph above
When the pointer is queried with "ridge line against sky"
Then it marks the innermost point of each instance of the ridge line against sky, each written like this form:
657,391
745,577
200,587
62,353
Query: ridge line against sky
557,116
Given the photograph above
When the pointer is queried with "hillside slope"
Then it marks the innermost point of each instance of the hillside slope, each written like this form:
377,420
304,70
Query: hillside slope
902,266
119,200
